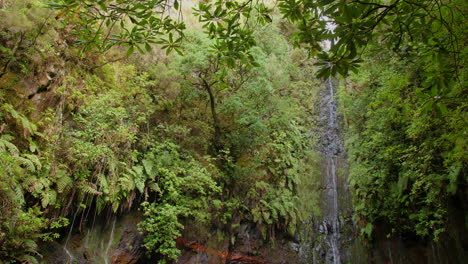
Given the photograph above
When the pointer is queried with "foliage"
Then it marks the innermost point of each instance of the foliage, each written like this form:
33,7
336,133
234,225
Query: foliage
102,143
432,28
405,143
101,24
25,34
229,24
97,138
183,189
20,175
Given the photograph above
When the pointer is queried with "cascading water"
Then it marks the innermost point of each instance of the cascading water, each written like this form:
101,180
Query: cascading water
332,216
332,237
331,148
71,258
109,243
70,255
326,238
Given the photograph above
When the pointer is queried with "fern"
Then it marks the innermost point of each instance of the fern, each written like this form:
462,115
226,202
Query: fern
48,198
27,125
100,204
103,183
28,259
34,159
153,186
89,188
138,177
30,182
44,182
17,195
125,182
63,181
6,145
27,163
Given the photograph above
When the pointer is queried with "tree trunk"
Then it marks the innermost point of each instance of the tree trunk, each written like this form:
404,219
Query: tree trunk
214,115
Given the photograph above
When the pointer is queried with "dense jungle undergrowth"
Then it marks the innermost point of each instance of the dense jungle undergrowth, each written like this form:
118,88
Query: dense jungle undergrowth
205,116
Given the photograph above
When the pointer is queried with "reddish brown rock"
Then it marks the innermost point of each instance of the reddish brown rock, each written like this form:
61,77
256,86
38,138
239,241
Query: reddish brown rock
129,250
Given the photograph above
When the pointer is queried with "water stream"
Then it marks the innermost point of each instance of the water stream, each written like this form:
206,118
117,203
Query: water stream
70,255
71,258
109,243
331,237
326,236
331,148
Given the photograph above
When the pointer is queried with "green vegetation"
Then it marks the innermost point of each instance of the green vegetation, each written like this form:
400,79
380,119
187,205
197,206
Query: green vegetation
183,187
200,138
406,115
212,124
406,145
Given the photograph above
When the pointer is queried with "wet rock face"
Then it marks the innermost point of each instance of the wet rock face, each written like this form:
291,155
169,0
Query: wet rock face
329,238
107,241
249,248
53,253
118,241
328,244
200,258
129,250
330,143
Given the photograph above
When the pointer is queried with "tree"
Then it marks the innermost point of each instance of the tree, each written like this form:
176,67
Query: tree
101,24
214,75
433,28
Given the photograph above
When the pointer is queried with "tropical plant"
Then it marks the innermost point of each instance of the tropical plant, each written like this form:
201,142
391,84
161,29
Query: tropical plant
181,189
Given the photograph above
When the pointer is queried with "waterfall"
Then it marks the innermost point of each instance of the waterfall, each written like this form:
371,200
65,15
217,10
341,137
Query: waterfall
331,148
71,258
109,243
332,218
70,255
322,237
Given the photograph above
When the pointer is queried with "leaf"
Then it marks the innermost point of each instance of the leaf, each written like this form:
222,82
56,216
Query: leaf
130,51
133,20
102,5
368,230
323,73
147,47
64,181
148,165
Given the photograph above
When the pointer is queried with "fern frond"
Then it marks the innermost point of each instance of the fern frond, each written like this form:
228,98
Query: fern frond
100,203
20,118
45,182
28,259
138,177
282,210
154,187
27,124
90,188
6,145
126,182
31,183
17,194
34,159
48,198
45,199
103,183
27,163
63,180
